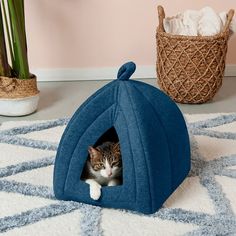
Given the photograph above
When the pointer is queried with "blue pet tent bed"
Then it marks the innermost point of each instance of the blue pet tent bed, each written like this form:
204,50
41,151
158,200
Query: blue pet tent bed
153,138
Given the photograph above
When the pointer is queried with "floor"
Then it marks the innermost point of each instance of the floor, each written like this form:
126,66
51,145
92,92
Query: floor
61,99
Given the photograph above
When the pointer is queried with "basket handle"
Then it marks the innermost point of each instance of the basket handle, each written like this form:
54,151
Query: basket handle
230,16
161,16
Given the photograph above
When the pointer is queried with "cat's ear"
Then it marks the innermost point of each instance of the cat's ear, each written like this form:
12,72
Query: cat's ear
93,152
116,147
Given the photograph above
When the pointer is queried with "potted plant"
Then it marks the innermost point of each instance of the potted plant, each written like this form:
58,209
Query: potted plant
18,88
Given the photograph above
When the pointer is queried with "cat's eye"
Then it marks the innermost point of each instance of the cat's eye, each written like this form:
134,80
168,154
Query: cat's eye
99,166
115,163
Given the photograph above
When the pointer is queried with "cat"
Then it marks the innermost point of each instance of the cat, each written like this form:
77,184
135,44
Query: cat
103,168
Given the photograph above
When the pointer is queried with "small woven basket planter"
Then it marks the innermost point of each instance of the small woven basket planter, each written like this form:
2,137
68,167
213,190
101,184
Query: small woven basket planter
190,69
18,97
18,88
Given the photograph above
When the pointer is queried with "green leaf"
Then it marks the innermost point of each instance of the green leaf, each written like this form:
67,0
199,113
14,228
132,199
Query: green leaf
19,45
8,32
4,67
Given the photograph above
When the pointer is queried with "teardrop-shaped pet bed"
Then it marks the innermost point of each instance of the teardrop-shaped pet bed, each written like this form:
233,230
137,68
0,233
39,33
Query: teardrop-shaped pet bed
153,139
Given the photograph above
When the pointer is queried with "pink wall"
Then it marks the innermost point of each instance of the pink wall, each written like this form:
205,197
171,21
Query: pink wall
101,33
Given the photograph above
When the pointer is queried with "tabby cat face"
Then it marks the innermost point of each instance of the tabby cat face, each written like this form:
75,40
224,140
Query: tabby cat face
106,159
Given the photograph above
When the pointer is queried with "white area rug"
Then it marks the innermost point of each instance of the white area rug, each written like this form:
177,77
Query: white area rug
205,203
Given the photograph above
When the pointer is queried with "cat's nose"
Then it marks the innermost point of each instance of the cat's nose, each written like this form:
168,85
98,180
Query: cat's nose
110,174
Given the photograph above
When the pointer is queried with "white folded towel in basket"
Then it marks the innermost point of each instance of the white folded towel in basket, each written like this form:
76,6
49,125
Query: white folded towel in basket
205,22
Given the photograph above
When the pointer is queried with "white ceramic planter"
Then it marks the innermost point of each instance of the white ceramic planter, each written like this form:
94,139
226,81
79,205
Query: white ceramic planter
18,106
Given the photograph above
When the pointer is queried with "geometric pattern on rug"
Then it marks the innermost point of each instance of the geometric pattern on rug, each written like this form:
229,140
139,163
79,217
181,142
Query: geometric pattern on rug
204,204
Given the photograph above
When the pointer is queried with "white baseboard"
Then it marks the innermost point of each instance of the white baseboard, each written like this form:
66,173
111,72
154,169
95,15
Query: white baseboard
105,73
230,70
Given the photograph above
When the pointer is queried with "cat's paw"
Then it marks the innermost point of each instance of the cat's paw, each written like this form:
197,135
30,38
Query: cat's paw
95,191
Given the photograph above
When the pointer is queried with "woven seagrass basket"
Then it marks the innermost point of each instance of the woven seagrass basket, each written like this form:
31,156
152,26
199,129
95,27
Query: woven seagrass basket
12,88
190,69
